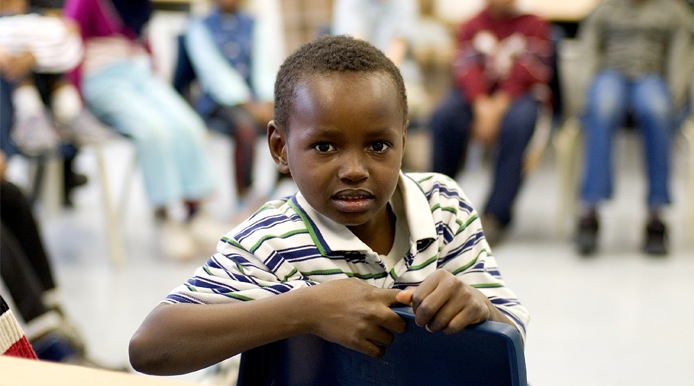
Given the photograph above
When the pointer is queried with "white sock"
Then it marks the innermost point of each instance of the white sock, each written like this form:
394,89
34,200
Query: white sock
27,102
67,103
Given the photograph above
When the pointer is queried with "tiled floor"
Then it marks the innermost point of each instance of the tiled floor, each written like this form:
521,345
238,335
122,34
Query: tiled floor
619,318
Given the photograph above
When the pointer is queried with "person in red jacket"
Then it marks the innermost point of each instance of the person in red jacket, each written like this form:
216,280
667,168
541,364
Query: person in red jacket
501,72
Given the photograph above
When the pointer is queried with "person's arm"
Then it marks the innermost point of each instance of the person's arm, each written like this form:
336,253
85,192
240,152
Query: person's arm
54,43
180,338
267,54
488,111
468,64
529,54
469,288
445,303
216,76
15,67
680,68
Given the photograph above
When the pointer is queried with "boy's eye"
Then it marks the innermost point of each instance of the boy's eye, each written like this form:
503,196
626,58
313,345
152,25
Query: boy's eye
380,146
324,147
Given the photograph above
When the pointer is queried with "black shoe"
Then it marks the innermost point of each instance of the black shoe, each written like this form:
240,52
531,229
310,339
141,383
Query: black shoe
71,182
493,229
656,236
587,235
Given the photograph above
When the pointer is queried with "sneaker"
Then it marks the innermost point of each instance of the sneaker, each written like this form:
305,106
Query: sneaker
655,239
493,229
34,135
587,235
176,241
206,232
85,129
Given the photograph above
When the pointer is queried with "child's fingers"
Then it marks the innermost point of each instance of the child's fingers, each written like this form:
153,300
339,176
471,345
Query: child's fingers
405,296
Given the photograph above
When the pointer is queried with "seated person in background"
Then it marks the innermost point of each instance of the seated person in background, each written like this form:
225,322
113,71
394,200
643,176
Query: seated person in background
35,51
501,71
358,237
14,342
120,88
26,272
389,25
234,61
639,50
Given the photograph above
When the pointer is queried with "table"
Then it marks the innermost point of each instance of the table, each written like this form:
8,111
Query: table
28,372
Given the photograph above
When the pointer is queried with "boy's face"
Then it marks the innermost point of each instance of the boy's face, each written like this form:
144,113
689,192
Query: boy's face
344,146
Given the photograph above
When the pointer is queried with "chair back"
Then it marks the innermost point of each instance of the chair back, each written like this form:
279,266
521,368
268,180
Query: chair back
486,354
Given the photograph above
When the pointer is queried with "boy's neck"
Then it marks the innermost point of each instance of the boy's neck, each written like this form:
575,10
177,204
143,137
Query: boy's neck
381,239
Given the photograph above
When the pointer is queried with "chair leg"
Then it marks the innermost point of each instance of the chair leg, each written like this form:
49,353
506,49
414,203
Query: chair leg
47,183
688,132
113,220
568,148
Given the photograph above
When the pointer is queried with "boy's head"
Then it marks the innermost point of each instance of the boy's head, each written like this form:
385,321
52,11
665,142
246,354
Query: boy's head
331,55
339,129
228,6
502,7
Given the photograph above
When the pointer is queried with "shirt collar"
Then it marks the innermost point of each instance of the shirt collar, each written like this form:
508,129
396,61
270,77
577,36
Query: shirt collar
331,237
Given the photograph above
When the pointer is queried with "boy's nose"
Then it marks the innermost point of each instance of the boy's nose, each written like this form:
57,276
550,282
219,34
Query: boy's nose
353,167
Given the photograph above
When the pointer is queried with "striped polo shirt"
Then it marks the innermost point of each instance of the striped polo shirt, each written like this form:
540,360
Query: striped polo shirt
287,244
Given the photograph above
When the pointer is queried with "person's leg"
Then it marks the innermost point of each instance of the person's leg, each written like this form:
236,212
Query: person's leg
244,130
114,96
604,114
17,216
450,129
6,118
25,270
23,284
606,107
189,155
517,128
653,110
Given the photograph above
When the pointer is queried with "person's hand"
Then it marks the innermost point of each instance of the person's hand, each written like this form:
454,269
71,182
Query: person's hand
486,121
488,113
444,303
15,67
262,112
3,164
356,315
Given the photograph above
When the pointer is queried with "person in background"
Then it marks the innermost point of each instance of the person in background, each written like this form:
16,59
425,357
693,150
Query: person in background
639,50
121,89
42,111
26,271
231,52
501,70
389,25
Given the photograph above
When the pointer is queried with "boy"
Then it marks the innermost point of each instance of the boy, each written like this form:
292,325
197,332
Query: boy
359,236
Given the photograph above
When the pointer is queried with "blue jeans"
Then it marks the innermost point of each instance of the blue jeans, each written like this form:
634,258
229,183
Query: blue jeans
451,126
610,96
169,135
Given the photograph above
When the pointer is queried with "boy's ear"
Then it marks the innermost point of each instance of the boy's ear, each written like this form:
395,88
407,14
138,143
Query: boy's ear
278,148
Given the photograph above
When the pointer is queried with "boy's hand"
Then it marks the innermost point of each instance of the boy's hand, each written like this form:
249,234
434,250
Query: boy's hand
356,315
444,303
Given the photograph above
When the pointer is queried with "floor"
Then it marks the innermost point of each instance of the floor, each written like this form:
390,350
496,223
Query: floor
619,318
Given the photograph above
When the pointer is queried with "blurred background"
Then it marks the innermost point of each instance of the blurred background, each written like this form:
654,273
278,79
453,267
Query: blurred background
618,318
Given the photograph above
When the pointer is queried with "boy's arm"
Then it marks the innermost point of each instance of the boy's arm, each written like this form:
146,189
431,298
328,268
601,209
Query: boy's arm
445,303
181,338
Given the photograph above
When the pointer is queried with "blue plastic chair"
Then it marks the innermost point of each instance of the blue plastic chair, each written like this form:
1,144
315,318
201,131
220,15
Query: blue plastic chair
487,354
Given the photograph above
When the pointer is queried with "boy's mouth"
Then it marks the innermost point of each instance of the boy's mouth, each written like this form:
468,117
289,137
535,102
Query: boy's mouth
352,201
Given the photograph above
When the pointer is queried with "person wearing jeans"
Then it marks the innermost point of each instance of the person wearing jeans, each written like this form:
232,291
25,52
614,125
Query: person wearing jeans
501,71
639,48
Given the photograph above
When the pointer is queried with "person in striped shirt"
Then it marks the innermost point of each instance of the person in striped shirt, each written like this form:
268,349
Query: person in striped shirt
358,237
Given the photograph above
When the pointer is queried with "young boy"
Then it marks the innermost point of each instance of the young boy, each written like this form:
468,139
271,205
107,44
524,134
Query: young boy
358,237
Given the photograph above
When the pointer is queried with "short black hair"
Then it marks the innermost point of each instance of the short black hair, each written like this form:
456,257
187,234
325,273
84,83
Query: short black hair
329,54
